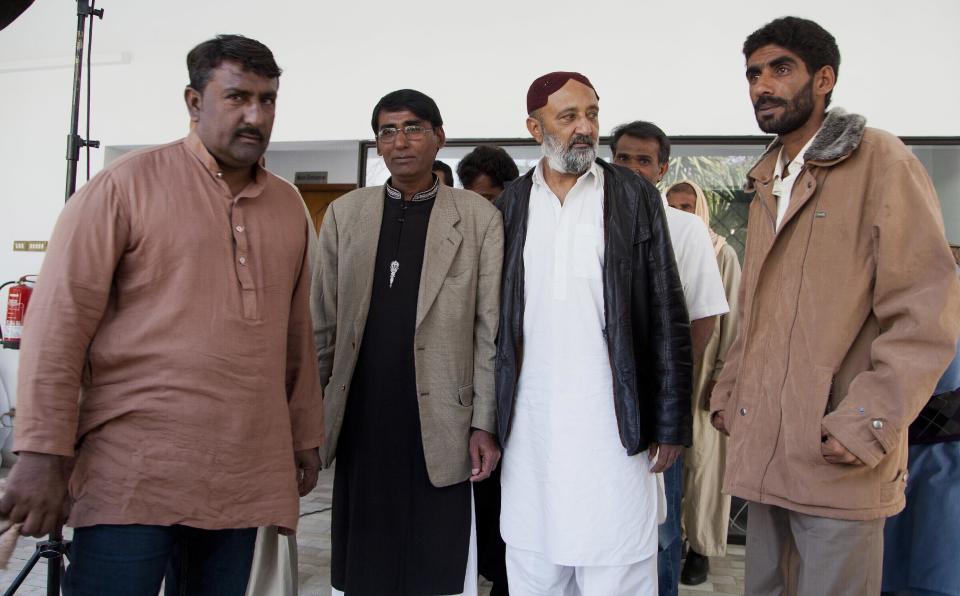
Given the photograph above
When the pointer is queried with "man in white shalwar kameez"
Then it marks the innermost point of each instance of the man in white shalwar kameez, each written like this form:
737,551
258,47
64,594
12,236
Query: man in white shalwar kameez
594,365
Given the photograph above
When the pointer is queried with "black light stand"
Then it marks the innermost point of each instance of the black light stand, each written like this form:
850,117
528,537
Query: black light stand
74,140
55,548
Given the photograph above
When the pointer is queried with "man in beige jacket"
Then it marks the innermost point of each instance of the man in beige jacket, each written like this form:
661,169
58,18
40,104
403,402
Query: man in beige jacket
848,317
405,304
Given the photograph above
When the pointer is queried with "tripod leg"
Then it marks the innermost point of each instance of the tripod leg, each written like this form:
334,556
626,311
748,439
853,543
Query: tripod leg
23,574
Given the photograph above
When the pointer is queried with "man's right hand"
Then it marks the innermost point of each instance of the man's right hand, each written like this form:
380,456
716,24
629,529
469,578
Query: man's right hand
719,423
36,489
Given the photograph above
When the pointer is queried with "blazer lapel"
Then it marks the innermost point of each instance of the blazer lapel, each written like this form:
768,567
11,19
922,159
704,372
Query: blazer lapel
443,241
361,250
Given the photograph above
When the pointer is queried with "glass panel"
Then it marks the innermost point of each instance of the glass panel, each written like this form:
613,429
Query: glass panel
943,166
721,171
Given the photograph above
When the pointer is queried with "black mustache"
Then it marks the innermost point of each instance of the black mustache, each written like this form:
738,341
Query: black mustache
580,139
769,100
249,131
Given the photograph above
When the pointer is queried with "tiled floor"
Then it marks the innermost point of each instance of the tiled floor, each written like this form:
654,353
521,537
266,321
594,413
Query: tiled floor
314,553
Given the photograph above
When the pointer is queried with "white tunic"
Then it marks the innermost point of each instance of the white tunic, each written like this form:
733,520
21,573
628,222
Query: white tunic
696,264
570,491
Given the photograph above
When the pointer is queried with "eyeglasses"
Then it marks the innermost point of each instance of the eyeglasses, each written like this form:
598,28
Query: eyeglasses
413,132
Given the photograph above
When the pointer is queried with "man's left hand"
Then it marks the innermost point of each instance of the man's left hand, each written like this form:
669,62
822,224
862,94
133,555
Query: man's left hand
484,454
308,469
665,455
834,452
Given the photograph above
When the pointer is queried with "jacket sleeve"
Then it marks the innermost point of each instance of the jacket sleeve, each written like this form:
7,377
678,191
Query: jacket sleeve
304,396
71,295
323,296
669,333
485,326
915,301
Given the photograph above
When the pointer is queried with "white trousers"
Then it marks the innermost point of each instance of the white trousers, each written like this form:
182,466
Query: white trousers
530,574
470,578
274,569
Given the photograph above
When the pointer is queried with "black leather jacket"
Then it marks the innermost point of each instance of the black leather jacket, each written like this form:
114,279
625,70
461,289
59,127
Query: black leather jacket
646,324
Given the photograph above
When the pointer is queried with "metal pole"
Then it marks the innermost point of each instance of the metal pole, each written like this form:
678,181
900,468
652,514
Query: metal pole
73,139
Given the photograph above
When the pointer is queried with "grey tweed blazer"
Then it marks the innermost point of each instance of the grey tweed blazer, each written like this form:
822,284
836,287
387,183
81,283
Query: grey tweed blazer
457,317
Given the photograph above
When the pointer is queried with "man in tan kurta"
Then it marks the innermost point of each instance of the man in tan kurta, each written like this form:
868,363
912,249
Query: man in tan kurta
174,302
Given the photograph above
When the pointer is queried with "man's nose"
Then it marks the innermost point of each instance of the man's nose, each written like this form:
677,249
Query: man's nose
763,85
400,139
253,114
584,126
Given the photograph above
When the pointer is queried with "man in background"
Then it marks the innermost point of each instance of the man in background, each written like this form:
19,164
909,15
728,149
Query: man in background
486,171
443,172
706,510
644,148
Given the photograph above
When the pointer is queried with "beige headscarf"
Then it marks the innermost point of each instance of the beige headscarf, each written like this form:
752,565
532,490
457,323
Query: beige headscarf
702,210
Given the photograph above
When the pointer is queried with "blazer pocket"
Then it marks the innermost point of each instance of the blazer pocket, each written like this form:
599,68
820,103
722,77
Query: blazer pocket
465,395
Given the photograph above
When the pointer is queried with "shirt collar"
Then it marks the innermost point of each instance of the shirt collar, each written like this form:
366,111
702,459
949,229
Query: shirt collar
794,165
593,176
423,195
196,147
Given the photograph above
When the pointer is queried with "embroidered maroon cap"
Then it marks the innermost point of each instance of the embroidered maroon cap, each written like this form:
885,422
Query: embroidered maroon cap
545,86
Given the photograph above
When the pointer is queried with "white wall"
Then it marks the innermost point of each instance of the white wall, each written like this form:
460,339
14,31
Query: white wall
677,63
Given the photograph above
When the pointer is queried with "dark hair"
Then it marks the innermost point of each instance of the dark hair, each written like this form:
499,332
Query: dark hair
642,129
814,44
249,53
490,160
439,166
408,99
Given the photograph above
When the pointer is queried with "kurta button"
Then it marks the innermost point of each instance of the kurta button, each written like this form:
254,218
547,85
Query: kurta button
343,387
239,229
877,423
743,411
243,260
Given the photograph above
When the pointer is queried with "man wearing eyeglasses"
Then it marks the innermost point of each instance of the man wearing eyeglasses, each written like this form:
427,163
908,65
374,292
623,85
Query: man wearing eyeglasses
405,303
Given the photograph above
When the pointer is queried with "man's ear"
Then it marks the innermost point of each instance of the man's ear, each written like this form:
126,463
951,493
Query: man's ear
194,101
663,170
824,80
441,137
535,129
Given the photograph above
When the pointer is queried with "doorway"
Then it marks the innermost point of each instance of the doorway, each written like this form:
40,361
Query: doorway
319,196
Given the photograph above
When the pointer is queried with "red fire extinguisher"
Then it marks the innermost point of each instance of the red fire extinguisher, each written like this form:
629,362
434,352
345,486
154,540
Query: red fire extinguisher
17,299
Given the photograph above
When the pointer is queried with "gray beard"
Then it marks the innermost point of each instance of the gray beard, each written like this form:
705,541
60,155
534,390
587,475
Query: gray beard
568,161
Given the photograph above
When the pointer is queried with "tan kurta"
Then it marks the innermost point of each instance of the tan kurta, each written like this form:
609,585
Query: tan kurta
706,510
180,316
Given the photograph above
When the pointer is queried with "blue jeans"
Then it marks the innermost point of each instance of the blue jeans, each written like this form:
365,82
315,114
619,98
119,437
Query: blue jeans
132,560
671,543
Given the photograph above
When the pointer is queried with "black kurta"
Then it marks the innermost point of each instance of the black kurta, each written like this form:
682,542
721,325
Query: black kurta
392,531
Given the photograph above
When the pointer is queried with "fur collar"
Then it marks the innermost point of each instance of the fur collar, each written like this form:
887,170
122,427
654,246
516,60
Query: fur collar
839,137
